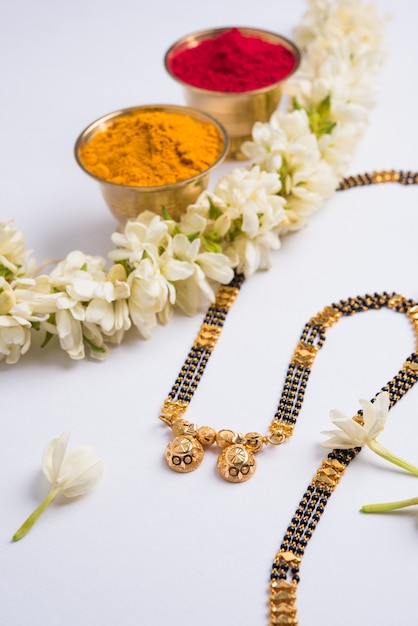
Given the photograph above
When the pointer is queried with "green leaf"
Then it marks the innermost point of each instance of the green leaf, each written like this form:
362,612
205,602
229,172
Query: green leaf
324,106
214,211
211,246
326,129
192,236
5,272
47,339
166,215
93,346
296,105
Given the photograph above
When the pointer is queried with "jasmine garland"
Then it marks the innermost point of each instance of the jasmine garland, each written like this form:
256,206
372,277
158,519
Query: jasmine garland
296,162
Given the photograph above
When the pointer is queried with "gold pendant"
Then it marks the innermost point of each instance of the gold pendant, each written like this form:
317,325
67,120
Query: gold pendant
184,454
236,463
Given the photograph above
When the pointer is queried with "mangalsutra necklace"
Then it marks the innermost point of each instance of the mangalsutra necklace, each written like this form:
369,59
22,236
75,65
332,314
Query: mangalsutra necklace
236,462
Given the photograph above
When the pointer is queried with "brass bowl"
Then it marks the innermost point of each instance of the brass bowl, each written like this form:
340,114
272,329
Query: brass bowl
237,111
127,201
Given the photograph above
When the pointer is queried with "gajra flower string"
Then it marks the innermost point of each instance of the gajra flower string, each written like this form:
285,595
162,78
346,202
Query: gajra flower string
296,161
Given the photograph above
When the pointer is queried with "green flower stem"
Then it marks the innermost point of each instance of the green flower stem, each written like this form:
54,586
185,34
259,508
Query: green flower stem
388,506
386,454
27,525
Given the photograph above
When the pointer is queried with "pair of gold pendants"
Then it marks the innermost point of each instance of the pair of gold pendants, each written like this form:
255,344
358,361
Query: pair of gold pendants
236,461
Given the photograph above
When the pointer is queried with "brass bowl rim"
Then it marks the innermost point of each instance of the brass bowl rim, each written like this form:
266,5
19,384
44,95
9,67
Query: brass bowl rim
101,122
209,33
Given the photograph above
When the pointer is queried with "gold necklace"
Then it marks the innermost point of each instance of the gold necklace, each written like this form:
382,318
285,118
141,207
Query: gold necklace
236,462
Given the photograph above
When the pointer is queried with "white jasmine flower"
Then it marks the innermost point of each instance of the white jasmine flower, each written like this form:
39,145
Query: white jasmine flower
351,433
12,247
35,296
77,266
112,316
152,297
69,331
15,324
287,144
100,297
202,266
344,46
267,146
209,219
147,234
250,198
195,220
350,19
15,337
90,304
337,149
71,474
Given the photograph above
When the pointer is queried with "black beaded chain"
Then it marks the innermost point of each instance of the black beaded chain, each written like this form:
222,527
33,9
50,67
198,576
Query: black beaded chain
404,177
285,569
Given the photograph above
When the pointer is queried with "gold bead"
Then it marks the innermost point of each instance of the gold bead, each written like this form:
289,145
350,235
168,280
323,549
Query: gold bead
206,435
225,438
254,441
184,427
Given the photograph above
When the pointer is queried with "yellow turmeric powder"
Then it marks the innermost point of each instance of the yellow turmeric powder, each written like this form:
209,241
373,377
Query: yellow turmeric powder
151,148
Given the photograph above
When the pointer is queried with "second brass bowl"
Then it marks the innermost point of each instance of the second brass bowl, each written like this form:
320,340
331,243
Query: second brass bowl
127,201
236,111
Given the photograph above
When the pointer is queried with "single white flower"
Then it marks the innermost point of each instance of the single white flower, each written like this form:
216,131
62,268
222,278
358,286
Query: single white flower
15,337
148,234
195,289
352,434
70,332
209,219
15,324
71,474
12,247
152,297
35,296
77,265
195,219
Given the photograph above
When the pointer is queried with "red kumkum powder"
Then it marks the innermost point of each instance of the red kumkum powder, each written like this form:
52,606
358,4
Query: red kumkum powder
233,62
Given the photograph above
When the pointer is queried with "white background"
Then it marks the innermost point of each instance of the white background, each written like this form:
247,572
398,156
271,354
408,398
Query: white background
149,546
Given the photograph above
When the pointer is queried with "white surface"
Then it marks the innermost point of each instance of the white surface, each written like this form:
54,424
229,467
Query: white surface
149,546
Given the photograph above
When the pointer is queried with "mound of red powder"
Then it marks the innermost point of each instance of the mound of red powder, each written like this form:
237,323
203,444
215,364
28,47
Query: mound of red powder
233,62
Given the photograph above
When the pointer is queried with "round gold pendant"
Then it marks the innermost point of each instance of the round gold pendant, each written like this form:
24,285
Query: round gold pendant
236,463
184,454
